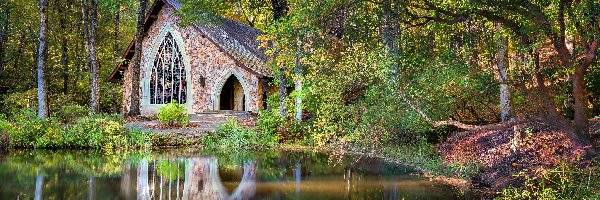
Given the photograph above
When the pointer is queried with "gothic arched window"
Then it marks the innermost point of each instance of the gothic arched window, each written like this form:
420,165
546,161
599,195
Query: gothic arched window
168,80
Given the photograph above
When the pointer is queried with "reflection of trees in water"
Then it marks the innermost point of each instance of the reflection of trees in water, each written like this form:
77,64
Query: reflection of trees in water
200,180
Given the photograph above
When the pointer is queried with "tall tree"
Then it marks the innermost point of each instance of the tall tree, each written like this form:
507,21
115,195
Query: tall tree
94,65
113,99
506,113
298,83
89,9
535,23
63,43
116,33
279,8
42,92
134,109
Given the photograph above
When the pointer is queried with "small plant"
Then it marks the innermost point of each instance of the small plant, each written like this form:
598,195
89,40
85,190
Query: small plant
173,114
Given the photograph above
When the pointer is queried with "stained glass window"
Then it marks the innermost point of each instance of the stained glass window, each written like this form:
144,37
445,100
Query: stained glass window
168,80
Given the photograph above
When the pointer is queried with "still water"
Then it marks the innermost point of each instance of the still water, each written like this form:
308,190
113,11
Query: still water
195,174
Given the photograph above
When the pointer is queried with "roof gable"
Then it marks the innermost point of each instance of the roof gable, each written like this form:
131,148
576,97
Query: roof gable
236,40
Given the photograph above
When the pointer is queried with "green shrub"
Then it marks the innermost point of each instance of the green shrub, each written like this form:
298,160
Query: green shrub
14,103
106,132
88,132
268,121
232,135
5,128
173,114
28,131
563,182
70,113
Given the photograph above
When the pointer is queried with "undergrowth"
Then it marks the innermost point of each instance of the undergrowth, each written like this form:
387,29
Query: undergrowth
96,131
563,182
232,135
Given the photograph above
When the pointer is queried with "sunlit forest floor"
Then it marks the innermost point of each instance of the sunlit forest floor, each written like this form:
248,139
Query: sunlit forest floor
506,149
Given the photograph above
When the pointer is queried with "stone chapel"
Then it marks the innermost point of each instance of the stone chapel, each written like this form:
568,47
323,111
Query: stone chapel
209,67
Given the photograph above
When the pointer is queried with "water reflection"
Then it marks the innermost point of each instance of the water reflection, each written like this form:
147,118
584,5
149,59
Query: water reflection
190,174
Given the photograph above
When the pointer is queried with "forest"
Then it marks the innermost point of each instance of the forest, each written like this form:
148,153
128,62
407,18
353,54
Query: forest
382,76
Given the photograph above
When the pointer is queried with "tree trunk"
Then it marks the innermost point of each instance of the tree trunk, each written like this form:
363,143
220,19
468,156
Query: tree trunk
42,57
143,188
581,110
86,30
116,33
39,182
506,113
549,110
134,109
4,32
298,85
391,33
94,65
282,91
91,188
64,48
279,10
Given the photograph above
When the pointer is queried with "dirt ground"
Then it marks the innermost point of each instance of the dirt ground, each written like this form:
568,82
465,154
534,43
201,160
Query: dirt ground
505,149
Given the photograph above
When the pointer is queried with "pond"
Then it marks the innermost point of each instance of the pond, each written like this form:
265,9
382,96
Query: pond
196,174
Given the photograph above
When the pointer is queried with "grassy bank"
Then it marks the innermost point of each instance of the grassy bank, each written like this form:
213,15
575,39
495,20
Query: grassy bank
468,159
72,130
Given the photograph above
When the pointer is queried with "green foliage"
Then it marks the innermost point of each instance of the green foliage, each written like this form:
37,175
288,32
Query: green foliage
232,135
268,121
173,114
13,103
170,170
88,132
563,182
104,132
70,113
423,156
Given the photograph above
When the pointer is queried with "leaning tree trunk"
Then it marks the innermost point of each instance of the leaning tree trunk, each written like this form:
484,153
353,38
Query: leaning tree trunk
42,57
506,113
134,109
548,110
94,65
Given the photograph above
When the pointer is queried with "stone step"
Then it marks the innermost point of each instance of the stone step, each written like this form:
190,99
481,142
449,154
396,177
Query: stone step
217,116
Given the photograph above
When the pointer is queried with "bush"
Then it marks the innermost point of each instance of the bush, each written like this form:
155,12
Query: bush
269,121
13,103
89,132
5,128
232,135
104,132
28,130
173,114
563,182
70,113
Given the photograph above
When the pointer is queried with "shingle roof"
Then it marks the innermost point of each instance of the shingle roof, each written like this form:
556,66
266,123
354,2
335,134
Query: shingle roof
236,39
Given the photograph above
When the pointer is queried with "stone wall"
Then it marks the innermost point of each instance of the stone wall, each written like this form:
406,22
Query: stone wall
202,58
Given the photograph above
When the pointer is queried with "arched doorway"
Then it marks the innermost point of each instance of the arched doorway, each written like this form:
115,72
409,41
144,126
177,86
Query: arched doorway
232,95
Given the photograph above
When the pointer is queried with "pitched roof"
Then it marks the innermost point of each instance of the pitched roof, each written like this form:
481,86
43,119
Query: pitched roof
236,40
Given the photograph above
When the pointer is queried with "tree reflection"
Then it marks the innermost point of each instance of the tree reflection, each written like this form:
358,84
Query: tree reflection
39,184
